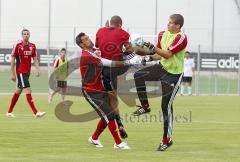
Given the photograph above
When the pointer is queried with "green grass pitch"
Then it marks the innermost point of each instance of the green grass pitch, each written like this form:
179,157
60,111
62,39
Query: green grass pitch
206,84
205,129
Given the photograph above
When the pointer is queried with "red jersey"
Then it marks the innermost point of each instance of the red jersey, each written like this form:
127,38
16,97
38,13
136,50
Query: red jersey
24,54
110,42
91,72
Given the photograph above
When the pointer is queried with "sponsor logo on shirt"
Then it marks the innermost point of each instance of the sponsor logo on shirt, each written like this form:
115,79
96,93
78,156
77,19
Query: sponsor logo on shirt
27,53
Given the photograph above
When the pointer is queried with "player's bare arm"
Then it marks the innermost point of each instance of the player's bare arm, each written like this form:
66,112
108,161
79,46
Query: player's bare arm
138,50
164,53
158,51
36,66
156,57
13,76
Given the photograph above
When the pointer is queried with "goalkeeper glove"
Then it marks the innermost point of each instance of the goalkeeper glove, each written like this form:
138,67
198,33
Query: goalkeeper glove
151,47
147,59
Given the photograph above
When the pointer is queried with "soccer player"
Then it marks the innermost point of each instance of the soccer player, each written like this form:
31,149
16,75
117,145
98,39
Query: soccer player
23,52
188,73
111,40
61,70
170,51
94,91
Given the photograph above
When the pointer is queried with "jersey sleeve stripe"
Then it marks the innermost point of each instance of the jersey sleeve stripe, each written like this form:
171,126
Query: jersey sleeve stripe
178,44
159,39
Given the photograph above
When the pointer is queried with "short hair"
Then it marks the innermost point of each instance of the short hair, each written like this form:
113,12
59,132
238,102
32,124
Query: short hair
63,49
116,20
25,30
78,38
178,19
187,52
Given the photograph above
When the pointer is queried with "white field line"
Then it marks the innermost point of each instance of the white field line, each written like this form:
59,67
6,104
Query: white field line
215,122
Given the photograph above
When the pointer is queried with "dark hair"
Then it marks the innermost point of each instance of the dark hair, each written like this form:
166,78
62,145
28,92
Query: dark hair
178,19
187,52
25,30
78,38
63,49
116,20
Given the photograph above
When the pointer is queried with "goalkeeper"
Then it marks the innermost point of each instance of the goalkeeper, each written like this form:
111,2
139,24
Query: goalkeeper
170,51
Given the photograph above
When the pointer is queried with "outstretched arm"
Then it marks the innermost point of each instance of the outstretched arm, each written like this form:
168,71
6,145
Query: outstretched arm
134,60
110,63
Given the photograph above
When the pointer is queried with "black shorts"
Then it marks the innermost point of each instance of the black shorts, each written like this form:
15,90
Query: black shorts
23,81
61,84
101,104
110,76
187,79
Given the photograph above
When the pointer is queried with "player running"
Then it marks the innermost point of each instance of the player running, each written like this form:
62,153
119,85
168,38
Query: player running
94,91
23,52
170,51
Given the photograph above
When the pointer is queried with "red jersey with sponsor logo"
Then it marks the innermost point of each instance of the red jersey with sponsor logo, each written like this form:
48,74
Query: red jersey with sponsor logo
110,42
91,72
24,54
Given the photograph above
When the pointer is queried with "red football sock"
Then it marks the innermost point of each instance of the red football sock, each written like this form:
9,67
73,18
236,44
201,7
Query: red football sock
13,102
165,140
146,106
100,128
113,129
31,104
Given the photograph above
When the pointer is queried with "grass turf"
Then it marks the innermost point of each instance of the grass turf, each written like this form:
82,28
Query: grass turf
207,85
205,129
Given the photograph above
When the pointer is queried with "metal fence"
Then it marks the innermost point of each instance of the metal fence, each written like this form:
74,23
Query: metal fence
215,73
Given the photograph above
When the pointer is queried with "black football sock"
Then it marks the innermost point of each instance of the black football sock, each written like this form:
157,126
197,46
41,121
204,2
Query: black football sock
118,120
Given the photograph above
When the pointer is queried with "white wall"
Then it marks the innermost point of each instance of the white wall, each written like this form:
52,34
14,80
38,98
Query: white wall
138,16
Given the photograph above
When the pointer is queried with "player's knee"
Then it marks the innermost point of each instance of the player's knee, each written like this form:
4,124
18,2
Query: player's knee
111,116
28,90
18,91
136,75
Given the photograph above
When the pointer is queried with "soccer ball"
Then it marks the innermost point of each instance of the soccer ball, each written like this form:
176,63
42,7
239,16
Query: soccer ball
136,40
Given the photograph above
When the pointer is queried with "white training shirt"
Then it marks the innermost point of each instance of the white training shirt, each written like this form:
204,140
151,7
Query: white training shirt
188,66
